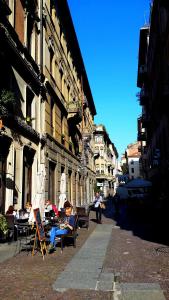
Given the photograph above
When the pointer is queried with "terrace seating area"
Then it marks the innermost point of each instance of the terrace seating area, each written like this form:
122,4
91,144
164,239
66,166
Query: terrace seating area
25,234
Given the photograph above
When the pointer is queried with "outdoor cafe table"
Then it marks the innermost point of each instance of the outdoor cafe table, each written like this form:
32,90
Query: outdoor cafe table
23,228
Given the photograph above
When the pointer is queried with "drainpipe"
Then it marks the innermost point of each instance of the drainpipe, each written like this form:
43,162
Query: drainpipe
42,109
41,37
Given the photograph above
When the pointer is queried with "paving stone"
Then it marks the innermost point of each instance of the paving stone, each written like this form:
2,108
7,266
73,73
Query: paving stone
84,273
105,282
8,250
144,272
79,280
140,291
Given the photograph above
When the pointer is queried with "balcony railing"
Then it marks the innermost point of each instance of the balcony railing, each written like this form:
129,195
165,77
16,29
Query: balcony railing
143,96
141,136
75,112
144,120
20,125
101,175
142,74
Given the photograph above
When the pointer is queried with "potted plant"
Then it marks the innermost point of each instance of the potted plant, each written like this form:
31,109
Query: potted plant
3,226
7,100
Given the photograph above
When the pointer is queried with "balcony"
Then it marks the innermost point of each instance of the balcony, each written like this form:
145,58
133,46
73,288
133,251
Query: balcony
101,175
144,121
74,112
21,127
141,136
143,96
142,75
26,130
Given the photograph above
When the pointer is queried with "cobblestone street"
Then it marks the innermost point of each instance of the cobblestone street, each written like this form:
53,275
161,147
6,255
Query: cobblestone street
133,254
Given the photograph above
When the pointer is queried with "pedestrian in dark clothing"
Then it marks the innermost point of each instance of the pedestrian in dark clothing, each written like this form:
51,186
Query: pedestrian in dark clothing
116,204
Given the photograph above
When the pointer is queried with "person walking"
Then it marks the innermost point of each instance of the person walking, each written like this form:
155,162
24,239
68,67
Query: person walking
97,201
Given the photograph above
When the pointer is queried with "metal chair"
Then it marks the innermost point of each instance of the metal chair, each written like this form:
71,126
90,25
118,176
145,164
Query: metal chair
72,234
83,216
61,214
23,236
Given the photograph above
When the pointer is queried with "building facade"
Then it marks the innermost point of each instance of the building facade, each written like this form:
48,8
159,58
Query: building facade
69,109
106,161
21,92
46,107
153,79
132,155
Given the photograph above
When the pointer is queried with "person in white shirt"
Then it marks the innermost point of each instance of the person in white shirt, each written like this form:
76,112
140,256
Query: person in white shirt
97,200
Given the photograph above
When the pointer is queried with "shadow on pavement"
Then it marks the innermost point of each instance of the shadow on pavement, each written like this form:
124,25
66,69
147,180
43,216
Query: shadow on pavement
141,220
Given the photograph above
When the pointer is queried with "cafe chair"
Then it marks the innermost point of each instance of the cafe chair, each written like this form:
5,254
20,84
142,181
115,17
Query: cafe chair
83,216
24,237
61,215
71,235
47,214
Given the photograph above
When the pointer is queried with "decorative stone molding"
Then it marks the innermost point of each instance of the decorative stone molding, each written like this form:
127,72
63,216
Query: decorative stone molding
51,43
61,65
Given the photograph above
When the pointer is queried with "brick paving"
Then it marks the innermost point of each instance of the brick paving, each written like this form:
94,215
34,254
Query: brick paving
134,251
25,277
136,255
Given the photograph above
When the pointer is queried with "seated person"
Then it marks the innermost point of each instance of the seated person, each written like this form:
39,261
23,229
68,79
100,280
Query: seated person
67,204
69,223
11,210
31,219
23,214
51,207
28,206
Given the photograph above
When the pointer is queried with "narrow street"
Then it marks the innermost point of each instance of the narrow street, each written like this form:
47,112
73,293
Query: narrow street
84,128
123,250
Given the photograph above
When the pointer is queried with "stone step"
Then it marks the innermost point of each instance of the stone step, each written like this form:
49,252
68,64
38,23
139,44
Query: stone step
138,291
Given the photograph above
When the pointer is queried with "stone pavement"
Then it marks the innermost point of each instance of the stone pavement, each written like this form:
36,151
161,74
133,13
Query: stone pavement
88,261
8,250
120,249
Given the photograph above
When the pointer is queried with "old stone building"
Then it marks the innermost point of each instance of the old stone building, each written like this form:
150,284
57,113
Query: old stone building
20,101
106,161
132,155
46,107
69,109
153,79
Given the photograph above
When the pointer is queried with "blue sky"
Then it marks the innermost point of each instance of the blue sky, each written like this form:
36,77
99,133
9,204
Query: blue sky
108,35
